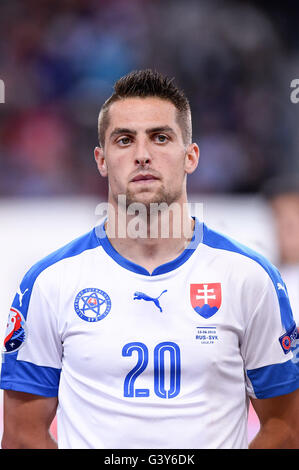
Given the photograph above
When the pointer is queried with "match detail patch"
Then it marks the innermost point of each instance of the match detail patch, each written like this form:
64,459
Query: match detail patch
287,339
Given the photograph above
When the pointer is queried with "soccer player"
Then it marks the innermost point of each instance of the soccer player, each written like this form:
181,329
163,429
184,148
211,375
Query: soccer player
140,340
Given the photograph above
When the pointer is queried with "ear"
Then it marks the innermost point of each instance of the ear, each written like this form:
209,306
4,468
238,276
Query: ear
101,162
191,158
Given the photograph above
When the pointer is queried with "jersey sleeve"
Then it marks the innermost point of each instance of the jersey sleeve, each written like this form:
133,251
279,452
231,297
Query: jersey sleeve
31,361
267,342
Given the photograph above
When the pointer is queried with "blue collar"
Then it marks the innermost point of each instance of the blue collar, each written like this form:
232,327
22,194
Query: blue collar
163,268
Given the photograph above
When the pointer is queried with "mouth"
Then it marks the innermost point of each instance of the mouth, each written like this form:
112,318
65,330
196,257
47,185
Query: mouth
144,178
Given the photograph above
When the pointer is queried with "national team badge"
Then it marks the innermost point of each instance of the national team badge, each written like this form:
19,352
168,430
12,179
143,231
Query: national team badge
206,298
92,304
15,331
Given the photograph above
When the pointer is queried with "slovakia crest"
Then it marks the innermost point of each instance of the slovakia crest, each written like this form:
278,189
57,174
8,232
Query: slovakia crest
205,298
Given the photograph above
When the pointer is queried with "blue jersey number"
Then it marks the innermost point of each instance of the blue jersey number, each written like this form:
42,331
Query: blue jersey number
160,387
142,362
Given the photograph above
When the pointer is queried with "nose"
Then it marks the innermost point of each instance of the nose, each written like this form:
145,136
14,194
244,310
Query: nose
142,155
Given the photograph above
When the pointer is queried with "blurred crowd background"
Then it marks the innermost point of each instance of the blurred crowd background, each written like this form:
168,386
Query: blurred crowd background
60,58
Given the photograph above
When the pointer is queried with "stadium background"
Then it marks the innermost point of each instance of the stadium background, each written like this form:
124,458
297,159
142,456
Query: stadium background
58,61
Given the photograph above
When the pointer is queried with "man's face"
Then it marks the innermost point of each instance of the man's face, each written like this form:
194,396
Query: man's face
144,155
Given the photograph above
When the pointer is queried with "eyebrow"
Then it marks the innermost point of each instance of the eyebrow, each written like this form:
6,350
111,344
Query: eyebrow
124,130
160,129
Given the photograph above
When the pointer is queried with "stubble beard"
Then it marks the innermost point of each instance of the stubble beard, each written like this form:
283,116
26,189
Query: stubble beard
158,214
161,196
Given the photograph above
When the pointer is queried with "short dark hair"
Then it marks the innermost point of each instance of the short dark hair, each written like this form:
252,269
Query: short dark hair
143,84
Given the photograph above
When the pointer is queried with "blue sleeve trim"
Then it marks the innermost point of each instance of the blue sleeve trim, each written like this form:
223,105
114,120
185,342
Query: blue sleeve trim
29,388
274,380
24,376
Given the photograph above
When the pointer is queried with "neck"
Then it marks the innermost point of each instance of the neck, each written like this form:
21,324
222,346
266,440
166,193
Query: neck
152,237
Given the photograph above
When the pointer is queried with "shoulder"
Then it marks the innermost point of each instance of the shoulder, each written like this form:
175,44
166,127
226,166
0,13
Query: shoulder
241,255
259,277
72,249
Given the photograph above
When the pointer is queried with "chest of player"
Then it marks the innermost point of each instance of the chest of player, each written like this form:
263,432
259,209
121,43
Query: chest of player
152,337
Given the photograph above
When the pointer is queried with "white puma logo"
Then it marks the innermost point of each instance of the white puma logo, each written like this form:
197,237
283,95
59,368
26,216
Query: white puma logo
21,295
280,287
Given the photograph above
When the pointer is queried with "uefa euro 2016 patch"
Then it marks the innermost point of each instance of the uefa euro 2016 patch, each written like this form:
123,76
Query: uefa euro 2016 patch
287,339
15,334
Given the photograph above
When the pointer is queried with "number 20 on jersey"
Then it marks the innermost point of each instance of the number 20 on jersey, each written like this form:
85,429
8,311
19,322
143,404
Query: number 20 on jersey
160,388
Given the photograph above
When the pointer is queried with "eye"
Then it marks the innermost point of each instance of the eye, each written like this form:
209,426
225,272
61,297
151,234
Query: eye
123,141
161,138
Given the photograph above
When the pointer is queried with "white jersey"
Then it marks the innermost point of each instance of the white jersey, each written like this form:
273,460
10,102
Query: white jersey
161,360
